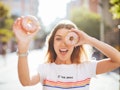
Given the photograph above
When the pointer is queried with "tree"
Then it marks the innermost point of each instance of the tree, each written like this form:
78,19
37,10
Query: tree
115,8
86,21
3,10
6,33
5,24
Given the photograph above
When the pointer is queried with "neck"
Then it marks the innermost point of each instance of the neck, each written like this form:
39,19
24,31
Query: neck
57,61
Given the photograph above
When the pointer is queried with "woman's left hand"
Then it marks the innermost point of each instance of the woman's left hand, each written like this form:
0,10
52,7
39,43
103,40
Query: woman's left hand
83,37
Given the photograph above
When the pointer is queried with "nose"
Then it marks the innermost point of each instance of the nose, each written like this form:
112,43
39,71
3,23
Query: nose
63,43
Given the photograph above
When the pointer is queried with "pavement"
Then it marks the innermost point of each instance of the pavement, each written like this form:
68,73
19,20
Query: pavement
9,76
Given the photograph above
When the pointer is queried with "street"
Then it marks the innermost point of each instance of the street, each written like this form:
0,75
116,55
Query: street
9,77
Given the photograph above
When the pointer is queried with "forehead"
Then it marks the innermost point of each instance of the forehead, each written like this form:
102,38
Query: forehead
62,31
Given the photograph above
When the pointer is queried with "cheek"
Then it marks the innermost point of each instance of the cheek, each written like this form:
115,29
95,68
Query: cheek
71,49
55,46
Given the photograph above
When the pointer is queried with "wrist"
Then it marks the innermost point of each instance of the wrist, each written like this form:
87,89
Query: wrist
22,54
23,48
23,45
91,40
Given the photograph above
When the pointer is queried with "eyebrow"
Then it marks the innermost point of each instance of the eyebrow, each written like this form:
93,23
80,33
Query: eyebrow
58,35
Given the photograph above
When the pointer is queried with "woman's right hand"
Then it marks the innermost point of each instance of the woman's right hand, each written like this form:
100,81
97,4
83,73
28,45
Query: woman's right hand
23,38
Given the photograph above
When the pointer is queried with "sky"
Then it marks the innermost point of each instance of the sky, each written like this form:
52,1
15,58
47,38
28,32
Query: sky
49,10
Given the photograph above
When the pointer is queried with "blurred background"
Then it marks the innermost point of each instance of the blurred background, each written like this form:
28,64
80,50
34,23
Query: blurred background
98,18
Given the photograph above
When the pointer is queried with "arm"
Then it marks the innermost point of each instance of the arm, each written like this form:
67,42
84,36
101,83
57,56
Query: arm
24,40
24,74
113,55
105,65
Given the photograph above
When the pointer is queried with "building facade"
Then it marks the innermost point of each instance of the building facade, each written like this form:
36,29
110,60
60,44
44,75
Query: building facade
22,7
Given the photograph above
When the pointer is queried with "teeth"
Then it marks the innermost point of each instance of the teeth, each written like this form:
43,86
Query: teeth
63,50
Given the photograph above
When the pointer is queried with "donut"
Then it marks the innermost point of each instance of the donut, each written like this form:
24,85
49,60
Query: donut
30,23
71,38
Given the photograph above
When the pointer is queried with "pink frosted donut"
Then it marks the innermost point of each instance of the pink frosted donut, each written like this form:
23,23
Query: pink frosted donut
71,38
30,23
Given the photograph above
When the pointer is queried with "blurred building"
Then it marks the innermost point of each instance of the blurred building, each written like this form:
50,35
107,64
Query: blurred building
91,5
97,6
22,7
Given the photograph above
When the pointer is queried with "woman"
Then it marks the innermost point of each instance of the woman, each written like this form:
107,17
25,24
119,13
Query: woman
67,66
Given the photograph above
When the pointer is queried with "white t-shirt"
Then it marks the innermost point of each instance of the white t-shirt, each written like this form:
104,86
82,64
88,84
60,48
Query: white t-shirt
67,77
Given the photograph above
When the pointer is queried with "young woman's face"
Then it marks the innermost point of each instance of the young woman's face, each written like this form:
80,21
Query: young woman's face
62,50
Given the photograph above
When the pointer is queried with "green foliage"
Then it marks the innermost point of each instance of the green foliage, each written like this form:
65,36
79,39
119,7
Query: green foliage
3,10
115,8
8,23
5,30
114,1
86,21
5,35
5,24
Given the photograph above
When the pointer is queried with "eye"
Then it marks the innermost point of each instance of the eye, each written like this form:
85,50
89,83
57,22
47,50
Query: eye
58,39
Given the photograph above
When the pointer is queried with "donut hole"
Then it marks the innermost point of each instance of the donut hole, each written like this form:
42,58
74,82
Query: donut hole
71,38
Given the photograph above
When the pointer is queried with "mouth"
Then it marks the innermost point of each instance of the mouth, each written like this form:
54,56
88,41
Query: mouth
63,51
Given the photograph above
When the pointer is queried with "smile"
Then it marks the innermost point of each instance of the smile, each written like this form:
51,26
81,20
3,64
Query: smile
63,51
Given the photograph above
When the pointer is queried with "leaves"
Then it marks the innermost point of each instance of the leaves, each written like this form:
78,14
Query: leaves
3,10
114,1
115,8
5,35
5,24
8,23
87,21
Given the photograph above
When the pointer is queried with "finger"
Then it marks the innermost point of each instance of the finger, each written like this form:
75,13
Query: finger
74,30
17,29
16,23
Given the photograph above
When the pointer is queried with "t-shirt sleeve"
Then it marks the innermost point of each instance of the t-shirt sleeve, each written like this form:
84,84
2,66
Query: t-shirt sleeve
91,68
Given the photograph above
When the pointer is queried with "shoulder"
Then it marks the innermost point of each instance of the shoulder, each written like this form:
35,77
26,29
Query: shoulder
88,63
88,66
45,65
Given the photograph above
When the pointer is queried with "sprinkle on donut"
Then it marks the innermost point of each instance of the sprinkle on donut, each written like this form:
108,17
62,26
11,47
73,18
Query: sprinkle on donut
30,23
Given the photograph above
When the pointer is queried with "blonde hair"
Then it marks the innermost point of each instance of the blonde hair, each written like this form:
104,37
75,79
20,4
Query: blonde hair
79,53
